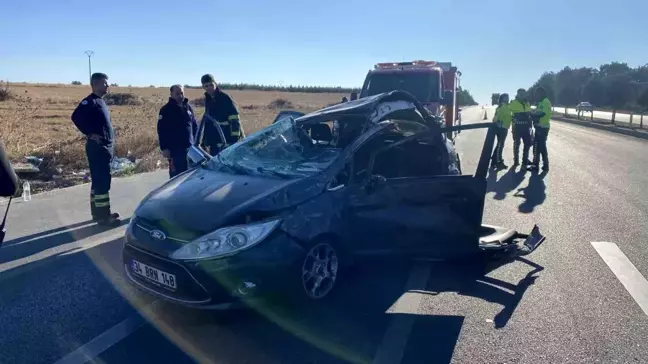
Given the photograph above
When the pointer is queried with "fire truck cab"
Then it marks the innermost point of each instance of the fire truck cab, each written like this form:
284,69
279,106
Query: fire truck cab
433,84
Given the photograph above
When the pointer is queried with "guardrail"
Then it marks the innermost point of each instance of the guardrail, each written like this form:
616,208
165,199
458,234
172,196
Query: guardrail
631,120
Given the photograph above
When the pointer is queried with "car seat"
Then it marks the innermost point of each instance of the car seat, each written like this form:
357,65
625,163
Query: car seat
321,132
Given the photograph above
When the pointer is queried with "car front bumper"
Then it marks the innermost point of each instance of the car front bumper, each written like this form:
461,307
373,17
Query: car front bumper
218,283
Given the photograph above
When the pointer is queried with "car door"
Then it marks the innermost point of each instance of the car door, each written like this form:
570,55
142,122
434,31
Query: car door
418,208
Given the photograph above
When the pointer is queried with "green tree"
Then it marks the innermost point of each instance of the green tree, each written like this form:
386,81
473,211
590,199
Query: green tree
642,100
464,98
620,92
595,92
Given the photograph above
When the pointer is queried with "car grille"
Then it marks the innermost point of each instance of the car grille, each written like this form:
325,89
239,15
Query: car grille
143,228
188,289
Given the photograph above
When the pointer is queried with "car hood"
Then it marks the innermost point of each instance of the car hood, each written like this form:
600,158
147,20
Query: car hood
203,200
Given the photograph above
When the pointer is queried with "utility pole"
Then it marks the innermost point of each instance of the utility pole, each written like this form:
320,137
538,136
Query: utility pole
89,54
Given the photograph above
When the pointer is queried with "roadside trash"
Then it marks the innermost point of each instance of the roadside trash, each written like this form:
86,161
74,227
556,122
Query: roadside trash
34,161
57,152
158,164
119,165
26,191
59,170
25,168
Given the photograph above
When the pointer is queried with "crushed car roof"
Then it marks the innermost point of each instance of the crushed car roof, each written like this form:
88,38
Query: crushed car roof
365,106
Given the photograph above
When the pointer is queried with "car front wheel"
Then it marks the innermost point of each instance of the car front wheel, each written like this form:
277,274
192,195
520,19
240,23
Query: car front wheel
319,270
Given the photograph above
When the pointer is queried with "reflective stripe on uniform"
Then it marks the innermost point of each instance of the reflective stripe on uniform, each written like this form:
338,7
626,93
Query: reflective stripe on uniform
236,133
233,117
102,204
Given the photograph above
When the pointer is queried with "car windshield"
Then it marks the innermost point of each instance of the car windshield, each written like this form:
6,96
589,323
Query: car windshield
422,85
283,150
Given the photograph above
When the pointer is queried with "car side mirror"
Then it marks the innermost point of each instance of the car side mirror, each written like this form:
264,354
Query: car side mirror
196,156
376,182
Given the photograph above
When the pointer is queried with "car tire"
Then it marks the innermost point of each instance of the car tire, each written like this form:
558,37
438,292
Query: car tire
323,261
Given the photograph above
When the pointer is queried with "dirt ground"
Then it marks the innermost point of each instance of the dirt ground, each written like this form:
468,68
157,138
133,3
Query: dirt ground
36,122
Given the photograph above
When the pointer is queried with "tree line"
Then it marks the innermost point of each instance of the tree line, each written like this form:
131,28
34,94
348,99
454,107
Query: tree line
289,88
464,98
614,86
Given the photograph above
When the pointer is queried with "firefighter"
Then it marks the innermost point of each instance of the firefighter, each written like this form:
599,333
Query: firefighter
220,111
176,128
502,119
92,118
542,117
521,128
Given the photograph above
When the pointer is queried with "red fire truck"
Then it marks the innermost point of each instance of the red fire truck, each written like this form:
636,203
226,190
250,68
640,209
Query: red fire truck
434,84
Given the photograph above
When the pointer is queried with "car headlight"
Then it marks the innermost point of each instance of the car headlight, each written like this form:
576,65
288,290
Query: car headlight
225,241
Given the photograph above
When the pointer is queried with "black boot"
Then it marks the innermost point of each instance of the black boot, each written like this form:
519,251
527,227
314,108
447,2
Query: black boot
110,221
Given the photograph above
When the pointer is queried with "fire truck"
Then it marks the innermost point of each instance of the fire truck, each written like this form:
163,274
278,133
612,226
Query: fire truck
434,84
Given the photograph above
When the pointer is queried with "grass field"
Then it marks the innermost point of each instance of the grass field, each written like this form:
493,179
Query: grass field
36,121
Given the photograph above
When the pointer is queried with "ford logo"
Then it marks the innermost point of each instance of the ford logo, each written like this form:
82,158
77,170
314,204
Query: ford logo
158,235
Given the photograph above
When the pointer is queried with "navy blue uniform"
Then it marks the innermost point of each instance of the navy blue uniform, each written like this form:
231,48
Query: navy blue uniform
220,110
176,130
92,117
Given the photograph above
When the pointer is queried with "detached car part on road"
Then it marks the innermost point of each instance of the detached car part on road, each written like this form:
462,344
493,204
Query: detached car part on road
287,209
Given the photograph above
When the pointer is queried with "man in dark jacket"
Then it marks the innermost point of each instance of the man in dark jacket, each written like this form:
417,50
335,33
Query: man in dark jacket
220,113
92,118
176,129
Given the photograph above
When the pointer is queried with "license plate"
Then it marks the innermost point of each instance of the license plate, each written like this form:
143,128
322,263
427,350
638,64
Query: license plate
154,274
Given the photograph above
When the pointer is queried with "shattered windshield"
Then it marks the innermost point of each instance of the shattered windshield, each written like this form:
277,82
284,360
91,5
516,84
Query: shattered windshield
283,149
422,85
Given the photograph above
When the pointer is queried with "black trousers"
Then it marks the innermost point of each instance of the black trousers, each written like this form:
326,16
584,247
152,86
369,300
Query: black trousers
540,147
99,158
521,133
499,148
178,162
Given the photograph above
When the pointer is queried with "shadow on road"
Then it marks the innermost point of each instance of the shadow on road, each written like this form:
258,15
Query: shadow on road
36,243
79,294
534,193
47,232
507,183
347,328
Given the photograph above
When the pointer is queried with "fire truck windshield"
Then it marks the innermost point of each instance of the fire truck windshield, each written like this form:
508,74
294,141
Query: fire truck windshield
422,85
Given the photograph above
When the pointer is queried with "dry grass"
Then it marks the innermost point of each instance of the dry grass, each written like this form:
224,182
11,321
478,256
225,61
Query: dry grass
36,120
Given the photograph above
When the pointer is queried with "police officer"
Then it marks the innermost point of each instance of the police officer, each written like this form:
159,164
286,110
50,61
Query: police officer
502,118
92,118
220,111
542,117
176,129
521,127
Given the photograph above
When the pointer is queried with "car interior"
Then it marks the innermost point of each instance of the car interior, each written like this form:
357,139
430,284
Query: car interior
401,161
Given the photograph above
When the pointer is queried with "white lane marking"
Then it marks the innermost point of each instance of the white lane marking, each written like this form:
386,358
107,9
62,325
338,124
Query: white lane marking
633,281
107,339
393,343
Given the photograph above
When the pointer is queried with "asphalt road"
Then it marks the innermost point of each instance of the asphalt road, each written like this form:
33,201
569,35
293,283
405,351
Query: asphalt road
62,295
604,115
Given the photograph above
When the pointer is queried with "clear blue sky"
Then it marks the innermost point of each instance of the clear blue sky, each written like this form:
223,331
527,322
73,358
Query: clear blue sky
498,45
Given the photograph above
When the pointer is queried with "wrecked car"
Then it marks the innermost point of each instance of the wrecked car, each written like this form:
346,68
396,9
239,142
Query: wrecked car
290,207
